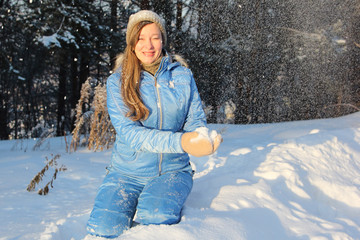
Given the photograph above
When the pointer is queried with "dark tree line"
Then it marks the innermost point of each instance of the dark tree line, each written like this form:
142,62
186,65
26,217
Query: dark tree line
254,61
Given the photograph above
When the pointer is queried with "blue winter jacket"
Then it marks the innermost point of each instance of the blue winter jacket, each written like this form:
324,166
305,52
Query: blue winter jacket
151,147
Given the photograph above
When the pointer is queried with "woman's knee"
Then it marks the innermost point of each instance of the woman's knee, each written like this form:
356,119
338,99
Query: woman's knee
114,207
163,198
158,216
109,224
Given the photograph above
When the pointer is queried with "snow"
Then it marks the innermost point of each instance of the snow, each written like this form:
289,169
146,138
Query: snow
47,41
293,180
53,39
204,134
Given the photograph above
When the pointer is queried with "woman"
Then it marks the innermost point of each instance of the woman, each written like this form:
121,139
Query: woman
156,111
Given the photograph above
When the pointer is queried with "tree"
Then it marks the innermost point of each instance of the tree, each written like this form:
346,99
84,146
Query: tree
276,61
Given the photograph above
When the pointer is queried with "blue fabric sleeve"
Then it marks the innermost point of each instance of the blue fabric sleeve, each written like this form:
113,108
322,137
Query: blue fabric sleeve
196,116
132,133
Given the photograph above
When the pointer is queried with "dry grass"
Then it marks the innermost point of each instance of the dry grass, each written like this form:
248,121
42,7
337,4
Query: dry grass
39,176
92,123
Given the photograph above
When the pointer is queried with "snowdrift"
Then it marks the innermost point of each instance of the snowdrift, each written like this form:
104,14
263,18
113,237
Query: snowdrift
294,180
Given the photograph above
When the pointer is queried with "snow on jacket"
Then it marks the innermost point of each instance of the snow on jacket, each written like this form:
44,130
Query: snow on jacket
150,147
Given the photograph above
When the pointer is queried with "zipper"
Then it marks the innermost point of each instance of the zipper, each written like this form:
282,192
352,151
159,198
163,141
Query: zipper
159,108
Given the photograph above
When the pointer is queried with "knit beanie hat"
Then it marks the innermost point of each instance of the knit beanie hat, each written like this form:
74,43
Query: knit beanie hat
145,15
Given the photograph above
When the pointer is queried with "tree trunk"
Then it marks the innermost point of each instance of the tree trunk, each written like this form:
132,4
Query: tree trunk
179,22
4,99
75,84
62,93
113,26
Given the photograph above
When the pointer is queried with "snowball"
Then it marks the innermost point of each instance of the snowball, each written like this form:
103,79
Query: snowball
204,134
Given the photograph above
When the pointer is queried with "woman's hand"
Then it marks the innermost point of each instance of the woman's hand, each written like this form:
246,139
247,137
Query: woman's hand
198,145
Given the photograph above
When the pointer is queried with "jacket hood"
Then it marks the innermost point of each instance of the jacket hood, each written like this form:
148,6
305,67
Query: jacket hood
172,59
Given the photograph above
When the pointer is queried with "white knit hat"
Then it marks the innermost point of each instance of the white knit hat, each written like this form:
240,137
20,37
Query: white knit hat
145,15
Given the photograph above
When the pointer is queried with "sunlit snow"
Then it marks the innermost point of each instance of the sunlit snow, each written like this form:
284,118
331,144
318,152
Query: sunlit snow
294,180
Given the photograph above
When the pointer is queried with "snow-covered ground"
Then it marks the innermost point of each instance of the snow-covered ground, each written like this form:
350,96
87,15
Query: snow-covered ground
295,180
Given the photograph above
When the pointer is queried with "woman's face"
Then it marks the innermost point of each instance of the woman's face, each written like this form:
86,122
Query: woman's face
149,45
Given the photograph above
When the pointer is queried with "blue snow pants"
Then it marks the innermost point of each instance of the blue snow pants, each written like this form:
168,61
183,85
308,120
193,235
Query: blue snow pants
157,200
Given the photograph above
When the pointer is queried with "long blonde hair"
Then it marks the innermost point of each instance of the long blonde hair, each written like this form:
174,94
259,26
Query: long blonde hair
130,77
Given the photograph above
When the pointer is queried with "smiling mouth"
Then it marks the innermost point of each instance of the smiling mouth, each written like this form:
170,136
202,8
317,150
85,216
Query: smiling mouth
149,54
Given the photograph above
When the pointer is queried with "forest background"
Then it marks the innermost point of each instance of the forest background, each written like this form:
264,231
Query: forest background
254,61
